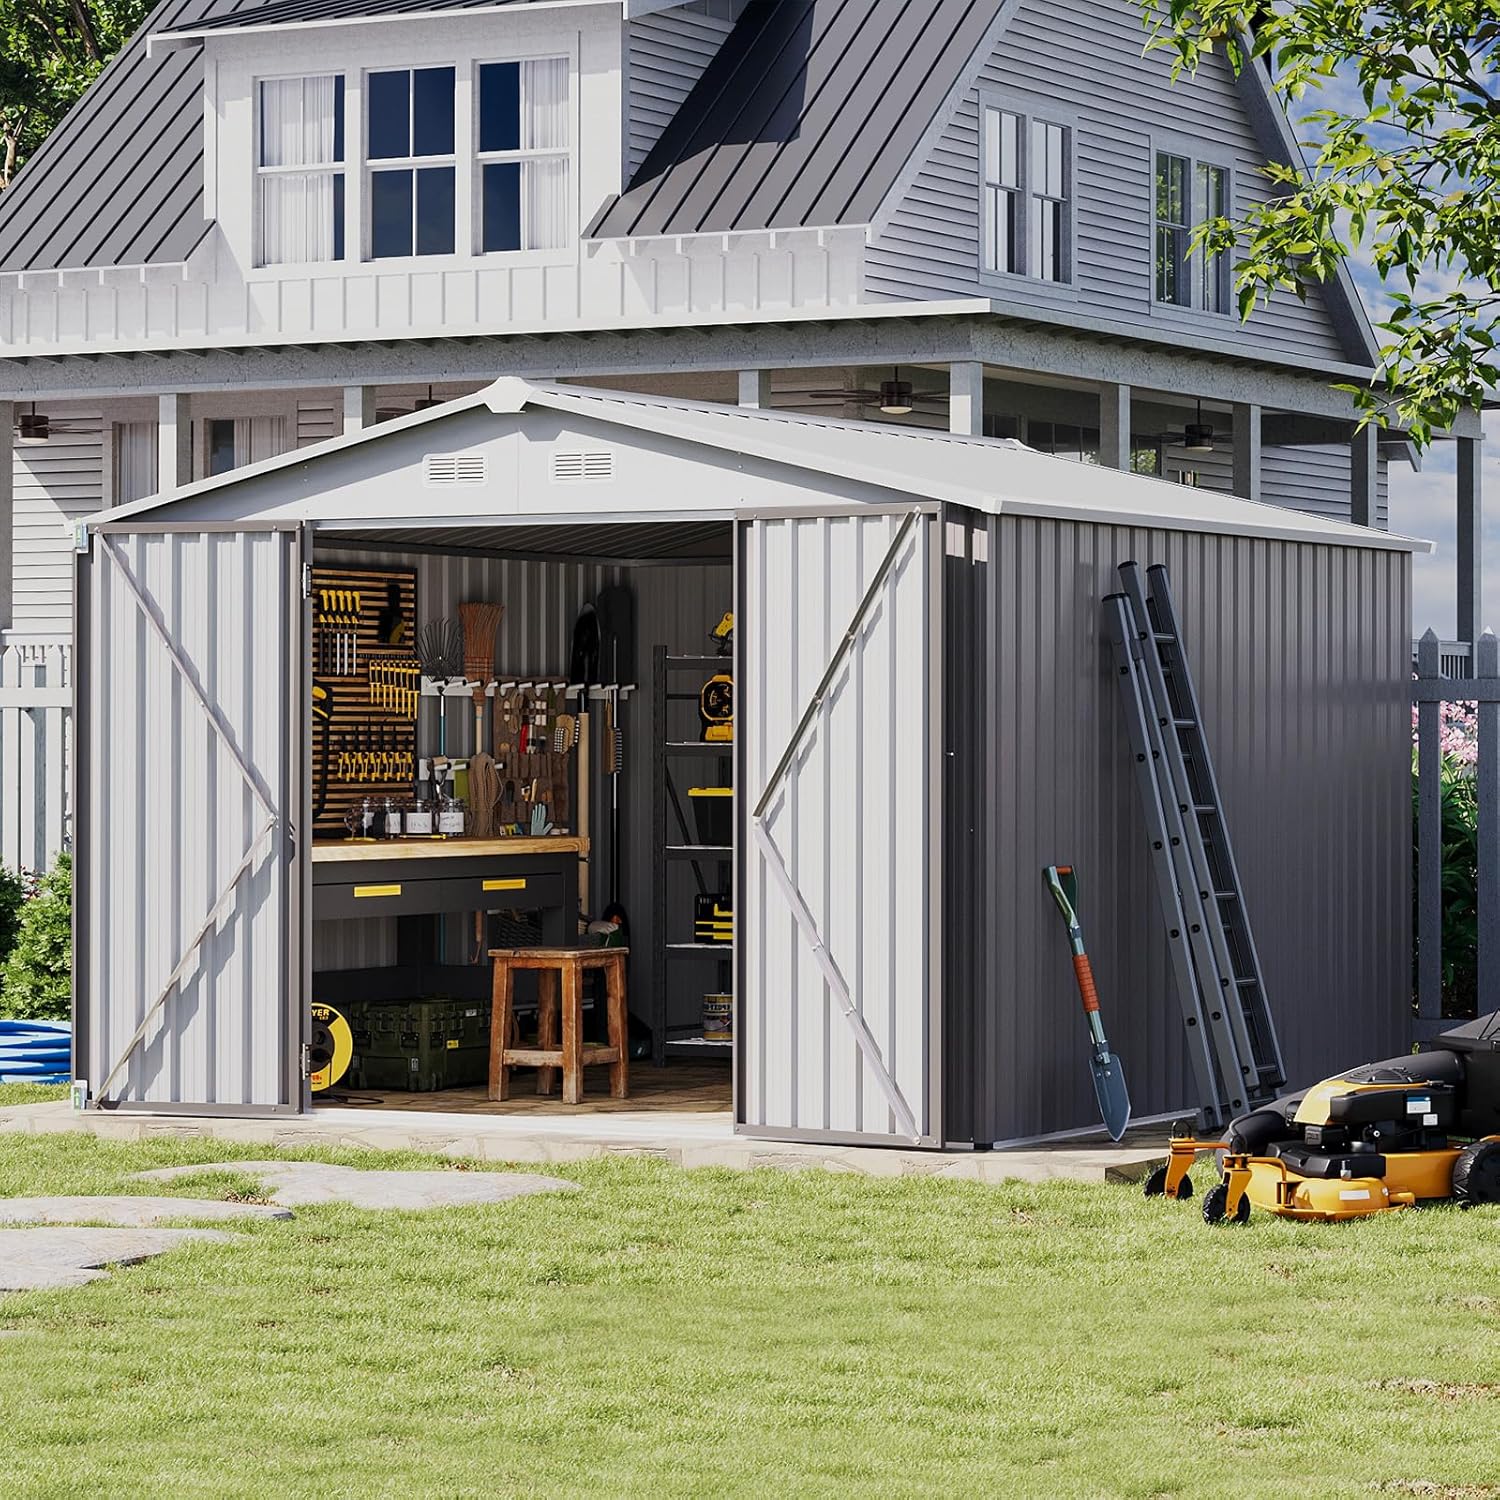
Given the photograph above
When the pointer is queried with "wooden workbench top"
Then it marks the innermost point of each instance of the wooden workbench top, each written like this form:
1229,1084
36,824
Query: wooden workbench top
340,851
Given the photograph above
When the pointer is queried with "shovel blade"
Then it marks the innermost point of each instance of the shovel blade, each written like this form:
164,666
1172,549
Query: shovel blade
1114,1097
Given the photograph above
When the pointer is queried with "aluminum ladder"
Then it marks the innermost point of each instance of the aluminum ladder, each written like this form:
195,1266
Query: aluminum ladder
1233,1047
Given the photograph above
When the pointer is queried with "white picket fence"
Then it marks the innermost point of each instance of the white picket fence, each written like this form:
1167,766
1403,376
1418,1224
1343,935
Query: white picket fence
36,749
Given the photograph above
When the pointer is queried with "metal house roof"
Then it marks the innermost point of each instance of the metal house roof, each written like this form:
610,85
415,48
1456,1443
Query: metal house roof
313,12
890,463
766,139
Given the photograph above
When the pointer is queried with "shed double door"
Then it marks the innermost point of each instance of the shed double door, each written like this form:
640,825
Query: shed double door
838,733
190,695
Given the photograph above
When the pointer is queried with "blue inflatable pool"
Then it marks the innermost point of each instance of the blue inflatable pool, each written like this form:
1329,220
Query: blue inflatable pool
35,1052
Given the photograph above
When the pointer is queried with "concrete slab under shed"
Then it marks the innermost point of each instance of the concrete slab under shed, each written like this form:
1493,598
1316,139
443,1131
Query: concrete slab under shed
684,1139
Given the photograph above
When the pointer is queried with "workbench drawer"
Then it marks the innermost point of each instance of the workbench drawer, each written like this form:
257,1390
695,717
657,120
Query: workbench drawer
405,897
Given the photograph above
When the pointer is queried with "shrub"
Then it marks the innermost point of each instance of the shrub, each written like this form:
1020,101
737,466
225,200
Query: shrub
13,894
38,974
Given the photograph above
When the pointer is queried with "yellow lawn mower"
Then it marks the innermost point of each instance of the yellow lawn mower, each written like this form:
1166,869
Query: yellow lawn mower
1417,1129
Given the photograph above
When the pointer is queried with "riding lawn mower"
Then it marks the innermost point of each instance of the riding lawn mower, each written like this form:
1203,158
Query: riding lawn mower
1416,1129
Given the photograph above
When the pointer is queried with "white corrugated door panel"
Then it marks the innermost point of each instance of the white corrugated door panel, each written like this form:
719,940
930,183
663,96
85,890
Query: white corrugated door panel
835,908
187,768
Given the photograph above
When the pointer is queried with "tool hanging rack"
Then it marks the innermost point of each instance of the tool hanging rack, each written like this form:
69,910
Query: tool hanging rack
367,747
1232,1042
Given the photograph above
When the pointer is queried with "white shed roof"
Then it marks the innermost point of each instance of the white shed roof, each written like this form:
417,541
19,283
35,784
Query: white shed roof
994,475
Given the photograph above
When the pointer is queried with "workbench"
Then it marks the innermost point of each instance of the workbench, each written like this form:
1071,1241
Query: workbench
417,881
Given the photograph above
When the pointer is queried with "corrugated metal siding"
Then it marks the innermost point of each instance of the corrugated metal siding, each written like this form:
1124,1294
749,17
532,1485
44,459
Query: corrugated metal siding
1302,655
56,483
771,137
668,55
1086,61
167,818
852,824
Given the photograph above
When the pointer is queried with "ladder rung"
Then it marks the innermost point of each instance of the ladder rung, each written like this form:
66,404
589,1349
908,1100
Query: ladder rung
1165,636
1226,895
1185,723
1247,984
1203,807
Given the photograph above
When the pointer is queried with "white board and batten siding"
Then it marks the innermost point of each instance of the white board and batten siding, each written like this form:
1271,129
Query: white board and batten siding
1122,107
669,53
852,822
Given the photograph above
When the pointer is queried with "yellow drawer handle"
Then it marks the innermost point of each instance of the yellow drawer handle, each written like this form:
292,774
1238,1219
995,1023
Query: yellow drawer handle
505,885
362,891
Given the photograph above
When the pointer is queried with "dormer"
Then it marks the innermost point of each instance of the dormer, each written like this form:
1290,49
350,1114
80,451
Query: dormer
426,135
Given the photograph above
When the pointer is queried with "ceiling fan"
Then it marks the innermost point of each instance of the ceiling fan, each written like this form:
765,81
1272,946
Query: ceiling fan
1195,437
895,397
39,426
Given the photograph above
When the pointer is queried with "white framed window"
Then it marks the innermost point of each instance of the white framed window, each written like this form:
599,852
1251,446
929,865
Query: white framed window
411,166
1187,194
1026,195
299,170
523,156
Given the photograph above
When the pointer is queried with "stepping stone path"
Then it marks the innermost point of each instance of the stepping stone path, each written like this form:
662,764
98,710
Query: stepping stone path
38,1259
130,1213
295,1184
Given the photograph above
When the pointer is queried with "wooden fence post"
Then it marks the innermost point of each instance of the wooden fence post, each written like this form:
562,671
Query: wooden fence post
1487,774
1429,843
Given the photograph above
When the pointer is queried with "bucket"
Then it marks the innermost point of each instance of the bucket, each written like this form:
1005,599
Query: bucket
718,1018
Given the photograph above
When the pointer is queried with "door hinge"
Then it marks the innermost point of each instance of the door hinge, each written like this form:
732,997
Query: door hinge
307,1059
307,580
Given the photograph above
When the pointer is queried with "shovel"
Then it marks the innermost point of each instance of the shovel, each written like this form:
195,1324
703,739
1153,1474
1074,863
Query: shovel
1109,1076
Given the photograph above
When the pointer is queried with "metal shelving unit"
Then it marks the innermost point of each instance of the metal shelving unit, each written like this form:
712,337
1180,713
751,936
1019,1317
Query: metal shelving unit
670,822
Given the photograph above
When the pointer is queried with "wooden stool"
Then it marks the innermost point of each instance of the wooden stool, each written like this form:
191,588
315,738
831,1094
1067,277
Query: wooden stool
559,968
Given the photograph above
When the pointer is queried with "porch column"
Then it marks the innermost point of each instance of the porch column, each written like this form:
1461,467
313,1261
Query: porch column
1114,427
359,408
7,512
1470,548
174,443
1247,451
966,398
1364,474
755,389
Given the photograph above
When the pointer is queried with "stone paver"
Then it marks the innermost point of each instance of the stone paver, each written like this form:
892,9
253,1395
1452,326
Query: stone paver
38,1259
129,1212
297,1183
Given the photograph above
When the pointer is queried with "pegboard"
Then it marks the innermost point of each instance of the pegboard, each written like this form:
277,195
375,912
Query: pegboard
368,720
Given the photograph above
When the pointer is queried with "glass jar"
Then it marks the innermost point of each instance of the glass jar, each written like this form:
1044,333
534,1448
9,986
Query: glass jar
419,819
450,818
392,818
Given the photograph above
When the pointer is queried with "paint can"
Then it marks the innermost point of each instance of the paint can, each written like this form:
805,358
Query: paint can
718,1018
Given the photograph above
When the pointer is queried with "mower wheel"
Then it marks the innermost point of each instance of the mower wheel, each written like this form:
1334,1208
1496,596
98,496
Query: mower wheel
1216,1205
1156,1186
1476,1174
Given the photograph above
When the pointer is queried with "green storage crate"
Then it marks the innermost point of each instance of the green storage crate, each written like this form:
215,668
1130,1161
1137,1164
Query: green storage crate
419,1045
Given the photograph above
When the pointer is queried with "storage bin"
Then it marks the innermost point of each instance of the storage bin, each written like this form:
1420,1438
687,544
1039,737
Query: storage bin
713,813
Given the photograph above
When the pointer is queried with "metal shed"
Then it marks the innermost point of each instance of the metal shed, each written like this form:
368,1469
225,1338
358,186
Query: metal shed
925,717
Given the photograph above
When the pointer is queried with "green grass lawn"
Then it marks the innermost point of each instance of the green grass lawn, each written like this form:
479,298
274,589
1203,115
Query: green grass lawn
30,1093
670,1333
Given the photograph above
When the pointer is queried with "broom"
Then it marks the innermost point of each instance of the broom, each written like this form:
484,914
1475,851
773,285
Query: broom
481,623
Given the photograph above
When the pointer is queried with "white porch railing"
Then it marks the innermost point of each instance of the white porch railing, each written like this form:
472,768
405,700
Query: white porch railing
36,748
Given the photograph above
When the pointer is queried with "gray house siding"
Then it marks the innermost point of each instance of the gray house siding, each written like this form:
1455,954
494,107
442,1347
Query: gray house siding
668,54
1301,654
1088,61
1314,479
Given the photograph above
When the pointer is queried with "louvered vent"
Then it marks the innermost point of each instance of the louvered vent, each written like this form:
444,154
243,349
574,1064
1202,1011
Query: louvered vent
573,468
455,468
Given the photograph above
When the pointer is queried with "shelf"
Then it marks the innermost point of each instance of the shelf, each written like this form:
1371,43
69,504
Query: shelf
697,747
699,851
719,950
699,1044
701,661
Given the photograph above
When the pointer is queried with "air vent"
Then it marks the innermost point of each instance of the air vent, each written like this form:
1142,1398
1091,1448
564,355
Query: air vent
575,468
455,468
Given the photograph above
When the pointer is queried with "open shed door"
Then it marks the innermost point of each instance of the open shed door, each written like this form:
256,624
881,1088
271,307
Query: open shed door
189,734
838,726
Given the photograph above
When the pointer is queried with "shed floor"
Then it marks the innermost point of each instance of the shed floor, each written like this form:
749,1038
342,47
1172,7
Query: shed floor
678,1089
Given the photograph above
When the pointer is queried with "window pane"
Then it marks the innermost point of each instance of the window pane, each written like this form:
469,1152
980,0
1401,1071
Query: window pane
338,118
1171,267
432,112
501,190
435,211
1047,239
545,194
500,107
544,86
992,145
220,445
1047,159
301,121
301,218
1171,189
1010,150
389,114
390,214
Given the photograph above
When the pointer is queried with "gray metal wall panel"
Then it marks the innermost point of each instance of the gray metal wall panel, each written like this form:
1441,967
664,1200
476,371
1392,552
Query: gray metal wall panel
851,823
171,817
1086,62
1302,657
